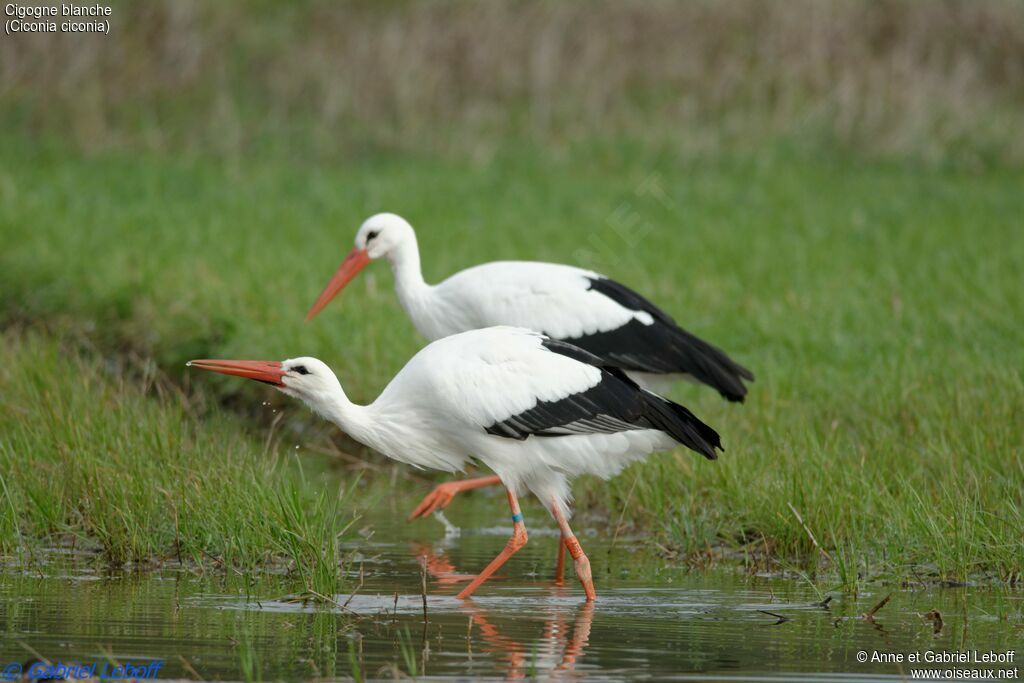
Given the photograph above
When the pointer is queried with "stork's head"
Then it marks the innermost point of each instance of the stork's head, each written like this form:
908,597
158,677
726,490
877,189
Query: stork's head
382,235
304,378
379,235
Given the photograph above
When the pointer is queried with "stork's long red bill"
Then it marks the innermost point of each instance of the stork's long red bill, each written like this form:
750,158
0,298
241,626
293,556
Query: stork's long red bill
349,268
269,371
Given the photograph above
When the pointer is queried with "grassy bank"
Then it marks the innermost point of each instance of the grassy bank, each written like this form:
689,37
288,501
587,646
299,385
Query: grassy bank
91,458
831,192
876,302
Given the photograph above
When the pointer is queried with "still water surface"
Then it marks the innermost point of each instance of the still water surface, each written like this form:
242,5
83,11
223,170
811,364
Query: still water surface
652,620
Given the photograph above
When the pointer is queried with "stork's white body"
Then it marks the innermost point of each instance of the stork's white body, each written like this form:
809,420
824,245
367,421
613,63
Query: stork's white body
548,297
434,413
566,303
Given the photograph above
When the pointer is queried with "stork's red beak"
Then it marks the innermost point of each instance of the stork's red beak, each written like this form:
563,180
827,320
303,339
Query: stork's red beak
269,371
349,268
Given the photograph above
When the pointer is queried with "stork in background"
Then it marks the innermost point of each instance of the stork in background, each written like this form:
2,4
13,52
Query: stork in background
536,411
593,312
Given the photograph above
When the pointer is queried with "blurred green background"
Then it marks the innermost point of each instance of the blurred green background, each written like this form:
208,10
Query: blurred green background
831,191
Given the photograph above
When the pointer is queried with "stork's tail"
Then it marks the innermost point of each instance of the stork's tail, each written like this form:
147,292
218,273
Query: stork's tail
682,425
710,365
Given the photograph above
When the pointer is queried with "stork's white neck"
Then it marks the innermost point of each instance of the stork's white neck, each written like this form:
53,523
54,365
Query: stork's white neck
383,429
413,293
355,420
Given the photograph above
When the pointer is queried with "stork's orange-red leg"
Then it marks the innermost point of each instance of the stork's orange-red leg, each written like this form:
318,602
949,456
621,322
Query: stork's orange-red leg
560,562
442,494
517,541
573,546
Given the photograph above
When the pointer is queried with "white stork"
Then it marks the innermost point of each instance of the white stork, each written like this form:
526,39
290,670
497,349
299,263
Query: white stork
584,308
537,411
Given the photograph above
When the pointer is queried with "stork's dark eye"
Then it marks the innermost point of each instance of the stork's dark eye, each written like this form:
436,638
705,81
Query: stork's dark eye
301,369
372,235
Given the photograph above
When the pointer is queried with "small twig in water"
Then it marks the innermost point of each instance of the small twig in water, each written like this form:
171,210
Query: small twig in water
320,596
781,619
189,668
423,587
356,589
870,615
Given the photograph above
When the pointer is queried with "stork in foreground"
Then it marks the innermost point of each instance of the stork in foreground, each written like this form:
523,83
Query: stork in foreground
536,411
584,308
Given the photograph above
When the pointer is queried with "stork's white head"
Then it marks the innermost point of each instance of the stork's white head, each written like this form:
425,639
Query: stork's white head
382,235
306,378
310,380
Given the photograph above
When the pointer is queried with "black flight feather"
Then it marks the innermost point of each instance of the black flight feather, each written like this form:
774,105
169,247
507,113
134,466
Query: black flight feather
661,347
615,404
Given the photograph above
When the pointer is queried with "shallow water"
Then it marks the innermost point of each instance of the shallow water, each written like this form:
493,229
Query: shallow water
651,620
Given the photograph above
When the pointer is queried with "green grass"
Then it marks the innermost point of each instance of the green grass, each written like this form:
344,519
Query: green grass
89,457
936,82
879,305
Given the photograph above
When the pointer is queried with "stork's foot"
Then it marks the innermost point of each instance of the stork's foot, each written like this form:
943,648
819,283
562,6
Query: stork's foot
437,499
582,568
518,540
575,551
442,494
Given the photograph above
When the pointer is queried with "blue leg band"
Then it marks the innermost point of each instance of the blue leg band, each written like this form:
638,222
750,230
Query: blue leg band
518,517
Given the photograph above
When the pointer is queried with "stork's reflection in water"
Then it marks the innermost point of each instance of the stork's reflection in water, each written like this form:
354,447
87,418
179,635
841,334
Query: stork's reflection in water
558,648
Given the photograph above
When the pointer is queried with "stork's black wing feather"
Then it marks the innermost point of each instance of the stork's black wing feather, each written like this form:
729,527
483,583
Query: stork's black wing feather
661,347
614,404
